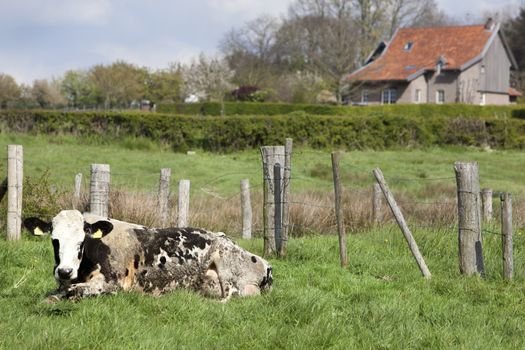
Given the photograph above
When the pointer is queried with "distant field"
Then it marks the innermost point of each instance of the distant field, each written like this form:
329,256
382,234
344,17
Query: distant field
135,164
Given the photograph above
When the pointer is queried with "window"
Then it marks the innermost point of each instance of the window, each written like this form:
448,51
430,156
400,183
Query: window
483,100
482,70
364,96
440,96
408,46
389,96
417,96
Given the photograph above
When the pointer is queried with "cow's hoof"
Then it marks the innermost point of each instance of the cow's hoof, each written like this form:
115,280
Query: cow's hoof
52,299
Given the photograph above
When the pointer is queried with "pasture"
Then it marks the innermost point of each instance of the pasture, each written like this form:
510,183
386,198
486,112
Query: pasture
379,301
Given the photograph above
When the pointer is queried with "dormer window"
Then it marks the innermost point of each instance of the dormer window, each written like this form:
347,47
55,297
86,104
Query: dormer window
408,46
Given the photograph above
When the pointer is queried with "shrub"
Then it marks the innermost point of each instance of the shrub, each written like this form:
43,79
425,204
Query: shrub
224,134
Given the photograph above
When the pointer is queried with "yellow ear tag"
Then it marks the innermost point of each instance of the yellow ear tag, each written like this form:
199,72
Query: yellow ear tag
97,234
38,232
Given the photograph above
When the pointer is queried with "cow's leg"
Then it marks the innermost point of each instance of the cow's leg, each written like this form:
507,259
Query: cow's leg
95,286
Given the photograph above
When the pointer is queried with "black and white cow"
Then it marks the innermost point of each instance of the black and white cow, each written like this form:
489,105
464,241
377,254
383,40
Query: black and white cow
94,256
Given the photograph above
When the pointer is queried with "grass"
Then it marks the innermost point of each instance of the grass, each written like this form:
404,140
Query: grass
136,163
379,301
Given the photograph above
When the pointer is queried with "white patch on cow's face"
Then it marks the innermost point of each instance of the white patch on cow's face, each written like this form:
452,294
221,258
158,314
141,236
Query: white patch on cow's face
68,231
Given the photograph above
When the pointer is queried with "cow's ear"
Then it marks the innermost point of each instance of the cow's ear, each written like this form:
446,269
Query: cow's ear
99,229
37,227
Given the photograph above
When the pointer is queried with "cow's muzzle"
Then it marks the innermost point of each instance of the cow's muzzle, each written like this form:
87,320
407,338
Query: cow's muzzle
267,280
65,273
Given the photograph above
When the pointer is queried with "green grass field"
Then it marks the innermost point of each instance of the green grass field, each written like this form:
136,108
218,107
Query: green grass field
380,301
136,163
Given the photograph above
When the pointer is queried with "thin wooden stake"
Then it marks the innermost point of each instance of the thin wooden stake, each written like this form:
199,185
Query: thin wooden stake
412,245
99,189
286,194
486,201
469,215
164,195
338,210
14,191
377,214
184,203
506,235
78,186
246,207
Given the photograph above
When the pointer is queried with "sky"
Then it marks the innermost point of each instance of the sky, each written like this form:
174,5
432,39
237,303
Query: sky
41,39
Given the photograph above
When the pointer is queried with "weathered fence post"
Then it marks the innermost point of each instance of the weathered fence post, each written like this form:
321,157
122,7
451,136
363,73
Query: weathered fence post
339,210
286,195
398,215
469,216
246,207
15,176
377,214
184,203
506,235
486,200
78,186
99,189
164,195
270,156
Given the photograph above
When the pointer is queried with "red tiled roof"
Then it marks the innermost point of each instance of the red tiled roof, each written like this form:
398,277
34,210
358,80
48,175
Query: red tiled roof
457,45
514,92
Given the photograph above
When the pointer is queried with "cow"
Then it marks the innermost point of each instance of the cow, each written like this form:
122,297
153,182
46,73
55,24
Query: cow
96,255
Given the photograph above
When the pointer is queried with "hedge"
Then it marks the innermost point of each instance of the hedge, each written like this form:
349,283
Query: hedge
270,109
225,134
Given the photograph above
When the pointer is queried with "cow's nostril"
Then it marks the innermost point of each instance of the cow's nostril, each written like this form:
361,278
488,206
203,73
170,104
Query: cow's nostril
65,273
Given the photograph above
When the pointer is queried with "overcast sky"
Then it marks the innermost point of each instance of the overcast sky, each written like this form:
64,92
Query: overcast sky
44,38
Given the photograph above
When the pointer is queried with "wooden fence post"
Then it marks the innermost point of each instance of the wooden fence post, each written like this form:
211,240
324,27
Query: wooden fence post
164,195
271,155
506,235
377,214
246,207
15,176
339,210
286,194
398,215
486,201
99,189
184,203
469,215
78,186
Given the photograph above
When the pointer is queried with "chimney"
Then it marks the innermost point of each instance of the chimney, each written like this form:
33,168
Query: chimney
489,24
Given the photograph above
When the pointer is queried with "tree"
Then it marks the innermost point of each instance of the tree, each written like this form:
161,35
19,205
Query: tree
250,51
208,78
118,84
165,85
514,30
78,90
9,91
46,94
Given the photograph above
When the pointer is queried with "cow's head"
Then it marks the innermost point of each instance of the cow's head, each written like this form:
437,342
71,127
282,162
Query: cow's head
69,232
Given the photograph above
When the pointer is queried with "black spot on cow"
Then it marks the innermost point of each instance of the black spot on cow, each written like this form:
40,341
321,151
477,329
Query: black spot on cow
136,260
172,241
95,252
162,260
127,272
56,249
254,259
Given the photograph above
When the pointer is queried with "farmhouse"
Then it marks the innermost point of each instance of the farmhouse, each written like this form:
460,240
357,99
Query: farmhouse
463,64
